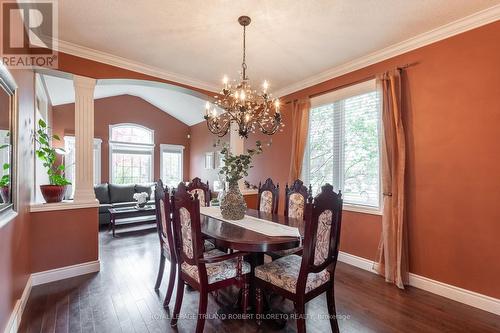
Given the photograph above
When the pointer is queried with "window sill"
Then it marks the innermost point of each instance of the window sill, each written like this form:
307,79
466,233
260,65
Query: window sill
362,209
64,205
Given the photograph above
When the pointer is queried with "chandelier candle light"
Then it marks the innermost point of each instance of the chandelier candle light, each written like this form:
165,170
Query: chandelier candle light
247,108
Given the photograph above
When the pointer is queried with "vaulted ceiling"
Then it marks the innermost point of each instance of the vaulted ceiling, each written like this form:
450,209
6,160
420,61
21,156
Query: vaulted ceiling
198,41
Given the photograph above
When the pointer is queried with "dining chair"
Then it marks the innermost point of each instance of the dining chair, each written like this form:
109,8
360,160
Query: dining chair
268,197
295,202
203,271
165,233
302,279
203,190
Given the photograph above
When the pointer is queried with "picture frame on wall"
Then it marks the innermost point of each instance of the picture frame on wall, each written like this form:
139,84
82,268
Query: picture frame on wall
209,160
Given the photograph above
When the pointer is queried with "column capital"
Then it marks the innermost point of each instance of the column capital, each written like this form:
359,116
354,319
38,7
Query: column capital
83,82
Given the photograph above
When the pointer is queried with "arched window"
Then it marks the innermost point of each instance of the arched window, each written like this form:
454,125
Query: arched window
131,133
131,154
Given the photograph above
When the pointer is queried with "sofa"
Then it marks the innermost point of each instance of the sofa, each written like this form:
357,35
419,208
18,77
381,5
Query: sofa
118,195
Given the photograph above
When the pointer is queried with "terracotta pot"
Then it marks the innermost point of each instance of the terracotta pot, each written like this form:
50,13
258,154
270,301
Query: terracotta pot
5,194
53,193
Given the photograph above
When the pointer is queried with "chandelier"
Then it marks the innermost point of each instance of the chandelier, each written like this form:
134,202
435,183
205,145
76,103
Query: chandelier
240,104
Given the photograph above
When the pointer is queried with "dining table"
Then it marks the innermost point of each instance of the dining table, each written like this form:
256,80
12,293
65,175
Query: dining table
237,237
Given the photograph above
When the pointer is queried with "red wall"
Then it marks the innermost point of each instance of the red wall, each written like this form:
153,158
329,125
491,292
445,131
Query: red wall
15,235
126,109
56,240
452,112
201,142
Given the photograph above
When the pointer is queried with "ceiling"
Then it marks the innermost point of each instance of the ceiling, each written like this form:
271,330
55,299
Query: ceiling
181,105
287,41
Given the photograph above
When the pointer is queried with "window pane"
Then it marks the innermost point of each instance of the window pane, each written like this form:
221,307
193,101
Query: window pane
131,168
321,148
172,168
361,150
133,134
343,148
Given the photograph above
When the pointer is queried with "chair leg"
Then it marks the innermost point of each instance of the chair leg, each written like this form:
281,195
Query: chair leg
244,300
330,300
202,311
300,310
160,270
171,283
178,299
258,305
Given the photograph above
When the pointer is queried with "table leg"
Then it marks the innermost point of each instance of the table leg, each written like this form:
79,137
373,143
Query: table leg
113,225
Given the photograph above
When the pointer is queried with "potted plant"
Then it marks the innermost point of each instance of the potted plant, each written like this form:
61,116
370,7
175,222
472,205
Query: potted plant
233,205
5,183
53,192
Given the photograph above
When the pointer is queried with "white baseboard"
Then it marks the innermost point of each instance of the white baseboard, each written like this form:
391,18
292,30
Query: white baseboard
17,312
461,295
65,272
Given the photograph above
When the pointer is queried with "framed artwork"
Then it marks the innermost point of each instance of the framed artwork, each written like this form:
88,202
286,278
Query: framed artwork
209,160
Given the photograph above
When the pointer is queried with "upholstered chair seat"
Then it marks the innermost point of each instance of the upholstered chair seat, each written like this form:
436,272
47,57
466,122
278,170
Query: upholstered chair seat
218,271
284,273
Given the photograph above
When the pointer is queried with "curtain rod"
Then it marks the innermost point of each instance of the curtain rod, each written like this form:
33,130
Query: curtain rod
366,78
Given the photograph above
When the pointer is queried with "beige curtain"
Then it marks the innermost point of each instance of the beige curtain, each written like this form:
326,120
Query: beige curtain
300,127
392,257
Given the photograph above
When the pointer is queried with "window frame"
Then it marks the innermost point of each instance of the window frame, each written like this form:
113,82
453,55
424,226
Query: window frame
336,96
69,141
166,147
131,148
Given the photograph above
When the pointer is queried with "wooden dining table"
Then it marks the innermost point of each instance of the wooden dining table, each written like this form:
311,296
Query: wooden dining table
238,238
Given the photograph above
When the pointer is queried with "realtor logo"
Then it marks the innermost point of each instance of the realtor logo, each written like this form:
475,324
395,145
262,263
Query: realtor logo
29,33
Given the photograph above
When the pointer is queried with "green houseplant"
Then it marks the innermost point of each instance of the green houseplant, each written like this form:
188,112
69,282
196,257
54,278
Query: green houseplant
53,192
5,179
233,206
5,183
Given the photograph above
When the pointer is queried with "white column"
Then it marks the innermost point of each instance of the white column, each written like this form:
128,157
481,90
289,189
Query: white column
237,146
84,139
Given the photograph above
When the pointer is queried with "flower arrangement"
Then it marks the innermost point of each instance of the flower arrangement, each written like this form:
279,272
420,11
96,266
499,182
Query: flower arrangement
141,198
236,166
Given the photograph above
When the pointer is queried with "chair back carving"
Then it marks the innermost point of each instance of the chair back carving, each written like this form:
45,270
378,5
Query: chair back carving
268,197
322,234
187,226
203,190
163,218
296,199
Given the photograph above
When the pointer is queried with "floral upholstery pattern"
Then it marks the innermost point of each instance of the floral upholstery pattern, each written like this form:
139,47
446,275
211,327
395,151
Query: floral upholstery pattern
186,235
284,272
218,271
323,237
296,206
266,202
208,245
201,195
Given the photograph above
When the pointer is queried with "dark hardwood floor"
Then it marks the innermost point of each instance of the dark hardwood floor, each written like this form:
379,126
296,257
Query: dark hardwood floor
120,298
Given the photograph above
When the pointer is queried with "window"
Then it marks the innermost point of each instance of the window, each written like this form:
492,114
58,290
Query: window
70,162
343,145
131,154
171,164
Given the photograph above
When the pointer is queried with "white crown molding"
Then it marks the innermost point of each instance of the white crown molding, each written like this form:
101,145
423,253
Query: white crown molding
18,310
113,60
470,22
457,294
